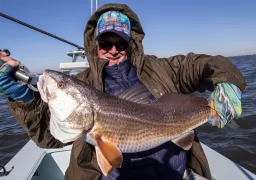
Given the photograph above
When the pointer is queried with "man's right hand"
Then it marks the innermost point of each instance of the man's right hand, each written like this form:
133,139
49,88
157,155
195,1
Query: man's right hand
8,83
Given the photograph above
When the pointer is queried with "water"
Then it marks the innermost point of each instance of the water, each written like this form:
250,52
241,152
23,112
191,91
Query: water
238,145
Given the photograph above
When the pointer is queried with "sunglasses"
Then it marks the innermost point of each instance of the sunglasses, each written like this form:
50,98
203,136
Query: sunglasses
107,45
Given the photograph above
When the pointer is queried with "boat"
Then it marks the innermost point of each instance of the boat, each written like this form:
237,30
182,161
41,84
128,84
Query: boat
35,163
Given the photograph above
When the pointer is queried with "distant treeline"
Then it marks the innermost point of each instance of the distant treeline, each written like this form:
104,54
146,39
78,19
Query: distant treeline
251,56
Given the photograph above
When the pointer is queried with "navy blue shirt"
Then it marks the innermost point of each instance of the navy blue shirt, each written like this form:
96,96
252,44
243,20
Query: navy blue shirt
167,161
119,77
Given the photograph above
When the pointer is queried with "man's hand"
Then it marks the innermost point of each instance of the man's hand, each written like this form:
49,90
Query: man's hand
225,102
8,84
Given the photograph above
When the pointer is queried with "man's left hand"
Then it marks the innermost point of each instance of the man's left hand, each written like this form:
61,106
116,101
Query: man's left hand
225,102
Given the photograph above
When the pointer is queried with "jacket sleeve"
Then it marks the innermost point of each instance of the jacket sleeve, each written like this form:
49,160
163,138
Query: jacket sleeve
34,118
200,72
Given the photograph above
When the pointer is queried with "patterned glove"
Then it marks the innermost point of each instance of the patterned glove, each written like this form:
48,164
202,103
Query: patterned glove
225,102
10,87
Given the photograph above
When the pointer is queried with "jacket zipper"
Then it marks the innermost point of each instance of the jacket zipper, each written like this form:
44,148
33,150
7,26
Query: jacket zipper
120,71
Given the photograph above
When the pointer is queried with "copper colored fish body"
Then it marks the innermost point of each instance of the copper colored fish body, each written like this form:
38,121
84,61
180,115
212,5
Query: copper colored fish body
115,125
137,127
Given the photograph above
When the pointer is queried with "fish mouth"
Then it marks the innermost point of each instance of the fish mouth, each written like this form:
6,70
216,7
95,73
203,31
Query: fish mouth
43,90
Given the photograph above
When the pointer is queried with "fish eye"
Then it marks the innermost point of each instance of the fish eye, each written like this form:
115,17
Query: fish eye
61,85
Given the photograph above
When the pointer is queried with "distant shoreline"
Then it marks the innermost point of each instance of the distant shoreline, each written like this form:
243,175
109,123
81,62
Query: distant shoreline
238,56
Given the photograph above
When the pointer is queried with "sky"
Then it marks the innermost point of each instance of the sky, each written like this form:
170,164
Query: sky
172,27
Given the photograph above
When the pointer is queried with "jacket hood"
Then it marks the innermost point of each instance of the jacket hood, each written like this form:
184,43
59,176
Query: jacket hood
138,34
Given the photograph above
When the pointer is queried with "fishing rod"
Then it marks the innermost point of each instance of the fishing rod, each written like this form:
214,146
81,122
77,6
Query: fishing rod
22,73
41,31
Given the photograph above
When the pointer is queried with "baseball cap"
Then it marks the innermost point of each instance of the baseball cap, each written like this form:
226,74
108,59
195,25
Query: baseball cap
116,22
8,53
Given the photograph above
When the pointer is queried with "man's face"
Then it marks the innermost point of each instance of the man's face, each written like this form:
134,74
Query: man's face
112,47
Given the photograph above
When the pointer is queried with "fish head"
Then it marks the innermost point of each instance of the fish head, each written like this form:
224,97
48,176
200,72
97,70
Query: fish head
55,87
71,113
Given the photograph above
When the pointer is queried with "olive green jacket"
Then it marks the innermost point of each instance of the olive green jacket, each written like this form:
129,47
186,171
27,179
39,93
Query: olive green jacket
181,73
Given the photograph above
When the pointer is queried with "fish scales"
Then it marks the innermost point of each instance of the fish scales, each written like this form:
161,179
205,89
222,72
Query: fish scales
137,127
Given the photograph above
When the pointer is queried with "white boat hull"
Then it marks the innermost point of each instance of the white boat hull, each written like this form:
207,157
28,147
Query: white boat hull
34,163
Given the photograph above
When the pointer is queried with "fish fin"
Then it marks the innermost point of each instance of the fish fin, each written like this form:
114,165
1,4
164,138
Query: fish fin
110,151
104,165
137,93
176,99
185,140
233,125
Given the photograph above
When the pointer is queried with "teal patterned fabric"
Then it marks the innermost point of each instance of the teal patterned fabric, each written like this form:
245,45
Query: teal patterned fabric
114,21
10,87
225,102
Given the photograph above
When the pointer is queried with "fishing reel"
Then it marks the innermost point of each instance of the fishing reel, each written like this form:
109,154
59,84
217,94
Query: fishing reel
22,74
25,77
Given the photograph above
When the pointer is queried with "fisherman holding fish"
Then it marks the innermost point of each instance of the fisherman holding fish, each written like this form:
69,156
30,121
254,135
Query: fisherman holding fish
113,41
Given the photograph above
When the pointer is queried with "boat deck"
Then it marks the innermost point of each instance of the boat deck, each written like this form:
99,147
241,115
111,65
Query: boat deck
34,163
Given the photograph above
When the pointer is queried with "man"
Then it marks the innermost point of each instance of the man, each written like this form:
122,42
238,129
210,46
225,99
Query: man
113,39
